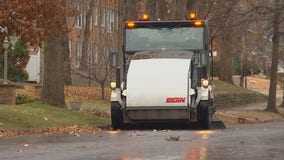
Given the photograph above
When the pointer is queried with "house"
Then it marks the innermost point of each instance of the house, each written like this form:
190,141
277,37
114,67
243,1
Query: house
104,38
34,66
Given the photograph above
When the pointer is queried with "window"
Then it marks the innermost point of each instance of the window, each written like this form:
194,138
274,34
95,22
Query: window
117,22
79,18
70,48
170,37
113,58
103,20
78,54
89,52
91,23
95,16
107,19
110,20
96,54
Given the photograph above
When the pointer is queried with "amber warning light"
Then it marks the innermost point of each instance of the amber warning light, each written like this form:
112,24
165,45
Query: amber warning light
145,17
192,16
198,23
130,25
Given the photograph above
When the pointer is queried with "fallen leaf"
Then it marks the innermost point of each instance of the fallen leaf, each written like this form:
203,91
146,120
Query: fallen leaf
173,138
45,118
241,120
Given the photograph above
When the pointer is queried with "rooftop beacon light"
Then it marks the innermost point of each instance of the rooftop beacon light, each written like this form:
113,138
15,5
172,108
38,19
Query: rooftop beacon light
145,17
130,24
192,15
198,23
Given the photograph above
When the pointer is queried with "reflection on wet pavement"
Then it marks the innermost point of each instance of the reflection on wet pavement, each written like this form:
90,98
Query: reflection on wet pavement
204,134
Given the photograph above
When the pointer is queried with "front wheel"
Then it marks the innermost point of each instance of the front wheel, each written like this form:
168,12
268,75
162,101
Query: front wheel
203,115
116,116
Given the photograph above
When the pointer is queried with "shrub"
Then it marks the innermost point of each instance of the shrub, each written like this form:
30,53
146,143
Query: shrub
23,98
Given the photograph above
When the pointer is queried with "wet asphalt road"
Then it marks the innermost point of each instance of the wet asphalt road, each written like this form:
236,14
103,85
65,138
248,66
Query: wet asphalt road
248,142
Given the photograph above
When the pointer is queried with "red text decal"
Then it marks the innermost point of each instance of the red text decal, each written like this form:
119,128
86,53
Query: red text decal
175,100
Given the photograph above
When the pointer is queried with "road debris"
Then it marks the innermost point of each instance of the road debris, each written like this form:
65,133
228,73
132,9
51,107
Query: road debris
173,138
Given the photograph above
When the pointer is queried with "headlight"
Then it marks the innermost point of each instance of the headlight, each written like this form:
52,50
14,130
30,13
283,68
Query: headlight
204,83
113,85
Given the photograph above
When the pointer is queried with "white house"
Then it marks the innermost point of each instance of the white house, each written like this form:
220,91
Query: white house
33,66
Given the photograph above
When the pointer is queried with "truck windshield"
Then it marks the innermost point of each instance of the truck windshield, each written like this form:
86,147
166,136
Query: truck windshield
179,38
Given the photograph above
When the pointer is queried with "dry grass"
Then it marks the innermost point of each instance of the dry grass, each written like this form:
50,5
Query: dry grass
85,93
248,117
259,83
71,92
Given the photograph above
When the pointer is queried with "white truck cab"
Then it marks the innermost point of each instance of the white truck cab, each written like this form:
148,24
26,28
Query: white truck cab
166,74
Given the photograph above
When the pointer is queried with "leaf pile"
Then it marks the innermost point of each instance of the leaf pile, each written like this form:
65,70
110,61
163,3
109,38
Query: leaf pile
75,130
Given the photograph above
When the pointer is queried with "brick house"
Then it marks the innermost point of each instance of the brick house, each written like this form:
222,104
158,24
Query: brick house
104,37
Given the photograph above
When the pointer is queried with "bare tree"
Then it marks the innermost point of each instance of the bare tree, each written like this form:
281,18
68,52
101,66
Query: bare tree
130,11
100,72
278,6
221,16
152,9
55,49
86,35
270,17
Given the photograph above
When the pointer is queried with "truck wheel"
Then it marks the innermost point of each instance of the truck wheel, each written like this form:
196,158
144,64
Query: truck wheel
116,116
203,115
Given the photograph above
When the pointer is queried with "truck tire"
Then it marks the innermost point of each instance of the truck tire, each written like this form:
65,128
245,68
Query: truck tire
203,115
116,116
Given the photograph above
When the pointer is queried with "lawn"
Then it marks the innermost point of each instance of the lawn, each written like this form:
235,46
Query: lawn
38,115
221,87
92,113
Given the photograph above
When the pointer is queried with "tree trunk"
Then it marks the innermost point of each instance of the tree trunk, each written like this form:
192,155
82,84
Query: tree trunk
191,5
151,8
102,91
130,12
282,104
163,8
55,51
271,106
53,81
67,61
242,81
87,33
180,10
226,57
